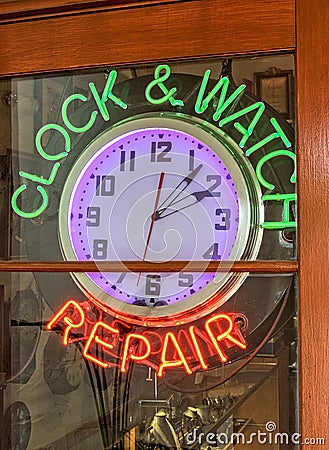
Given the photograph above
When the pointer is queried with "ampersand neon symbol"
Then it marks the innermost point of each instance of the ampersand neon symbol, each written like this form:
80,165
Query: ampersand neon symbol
158,81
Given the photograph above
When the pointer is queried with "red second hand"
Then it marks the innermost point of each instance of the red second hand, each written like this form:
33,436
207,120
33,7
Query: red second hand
156,204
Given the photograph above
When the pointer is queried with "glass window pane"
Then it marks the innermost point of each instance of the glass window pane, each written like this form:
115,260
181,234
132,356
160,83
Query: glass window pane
189,163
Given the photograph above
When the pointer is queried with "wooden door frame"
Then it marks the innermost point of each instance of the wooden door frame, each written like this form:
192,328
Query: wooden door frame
51,35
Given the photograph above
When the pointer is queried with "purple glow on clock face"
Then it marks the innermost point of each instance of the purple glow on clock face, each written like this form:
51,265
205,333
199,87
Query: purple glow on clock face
154,194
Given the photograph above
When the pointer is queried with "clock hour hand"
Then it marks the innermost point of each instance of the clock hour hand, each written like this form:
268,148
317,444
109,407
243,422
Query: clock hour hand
184,203
181,186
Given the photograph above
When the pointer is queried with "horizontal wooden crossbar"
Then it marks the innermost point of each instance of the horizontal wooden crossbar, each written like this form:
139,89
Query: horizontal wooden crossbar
146,266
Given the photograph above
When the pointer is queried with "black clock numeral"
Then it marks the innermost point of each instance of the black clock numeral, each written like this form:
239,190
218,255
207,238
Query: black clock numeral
100,248
212,252
131,159
153,285
185,279
218,180
191,161
165,147
105,185
94,216
225,216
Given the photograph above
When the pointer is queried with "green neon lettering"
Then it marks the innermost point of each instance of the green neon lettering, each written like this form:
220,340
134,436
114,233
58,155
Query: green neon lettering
66,120
53,126
100,101
41,180
107,94
246,133
269,156
202,105
222,85
125,91
286,223
232,100
158,81
32,214
277,134
280,132
110,81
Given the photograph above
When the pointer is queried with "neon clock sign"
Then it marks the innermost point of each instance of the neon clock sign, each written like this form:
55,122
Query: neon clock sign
161,185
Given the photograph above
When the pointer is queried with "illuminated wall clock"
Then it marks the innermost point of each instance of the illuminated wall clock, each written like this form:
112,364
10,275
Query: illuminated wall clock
160,187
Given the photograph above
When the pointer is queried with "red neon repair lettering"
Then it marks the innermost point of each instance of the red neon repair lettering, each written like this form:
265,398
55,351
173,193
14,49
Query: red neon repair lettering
185,341
165,363
225,335
197,348
151,336
127,350
94,337
68,320
220,332
202,336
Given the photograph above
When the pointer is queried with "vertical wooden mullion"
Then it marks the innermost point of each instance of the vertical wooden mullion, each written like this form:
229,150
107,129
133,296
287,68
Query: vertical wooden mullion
312,18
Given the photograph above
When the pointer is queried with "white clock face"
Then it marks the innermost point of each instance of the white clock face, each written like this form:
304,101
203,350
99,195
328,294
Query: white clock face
160,188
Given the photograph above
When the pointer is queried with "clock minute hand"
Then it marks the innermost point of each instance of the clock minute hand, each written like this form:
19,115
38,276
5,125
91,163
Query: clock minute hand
198,197
173,196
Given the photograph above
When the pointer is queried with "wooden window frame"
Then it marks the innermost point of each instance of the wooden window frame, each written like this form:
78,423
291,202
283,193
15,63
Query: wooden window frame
154,31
